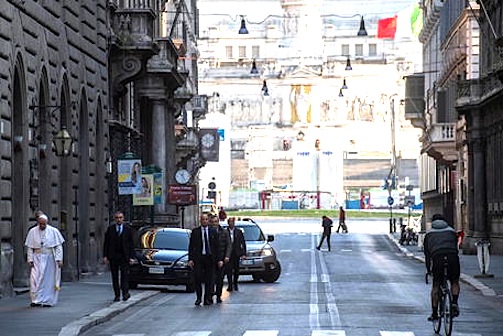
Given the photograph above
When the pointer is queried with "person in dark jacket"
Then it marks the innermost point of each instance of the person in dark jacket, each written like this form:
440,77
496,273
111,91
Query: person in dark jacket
238,252
225,250
118,252
204,253
442,241
326,223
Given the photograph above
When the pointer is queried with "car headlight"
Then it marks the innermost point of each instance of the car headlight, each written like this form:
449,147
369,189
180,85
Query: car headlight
267,252
182,263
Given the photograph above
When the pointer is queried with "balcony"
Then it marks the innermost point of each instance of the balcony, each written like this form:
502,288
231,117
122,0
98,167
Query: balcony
199,105
186,146
476,91
414,100
440,142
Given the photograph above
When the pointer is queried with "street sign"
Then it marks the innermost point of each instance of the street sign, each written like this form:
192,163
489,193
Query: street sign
390,200
409,200
182,194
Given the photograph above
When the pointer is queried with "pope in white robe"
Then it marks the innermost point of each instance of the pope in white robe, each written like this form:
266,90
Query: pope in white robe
45,256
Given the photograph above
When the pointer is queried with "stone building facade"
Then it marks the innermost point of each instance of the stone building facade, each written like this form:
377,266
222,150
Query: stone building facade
120,78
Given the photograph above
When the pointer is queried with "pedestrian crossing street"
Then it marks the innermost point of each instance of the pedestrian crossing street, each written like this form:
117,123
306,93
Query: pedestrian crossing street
313,333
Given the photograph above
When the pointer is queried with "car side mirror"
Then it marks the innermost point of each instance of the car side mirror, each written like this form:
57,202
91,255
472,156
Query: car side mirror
270,238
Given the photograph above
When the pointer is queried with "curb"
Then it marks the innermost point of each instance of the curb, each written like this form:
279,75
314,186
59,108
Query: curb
103,315
468,279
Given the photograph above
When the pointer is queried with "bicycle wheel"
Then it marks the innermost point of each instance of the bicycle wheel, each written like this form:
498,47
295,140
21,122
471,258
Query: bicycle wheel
438,322
447,313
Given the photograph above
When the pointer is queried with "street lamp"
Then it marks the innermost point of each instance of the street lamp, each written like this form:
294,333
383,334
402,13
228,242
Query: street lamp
62,142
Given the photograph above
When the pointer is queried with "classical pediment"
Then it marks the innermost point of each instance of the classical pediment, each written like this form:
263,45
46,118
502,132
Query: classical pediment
303,71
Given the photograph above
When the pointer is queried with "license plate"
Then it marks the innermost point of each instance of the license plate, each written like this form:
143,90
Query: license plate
246,262
156,270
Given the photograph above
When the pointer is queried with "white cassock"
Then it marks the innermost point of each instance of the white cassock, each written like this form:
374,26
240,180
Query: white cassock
45,248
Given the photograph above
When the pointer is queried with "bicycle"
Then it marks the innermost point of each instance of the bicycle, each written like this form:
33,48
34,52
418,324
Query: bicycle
444,304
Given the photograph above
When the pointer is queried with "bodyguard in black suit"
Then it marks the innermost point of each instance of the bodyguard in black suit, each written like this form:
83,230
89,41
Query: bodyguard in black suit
204,253
238,251
118,252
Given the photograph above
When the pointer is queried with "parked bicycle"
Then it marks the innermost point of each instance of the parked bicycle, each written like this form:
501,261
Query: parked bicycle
445,312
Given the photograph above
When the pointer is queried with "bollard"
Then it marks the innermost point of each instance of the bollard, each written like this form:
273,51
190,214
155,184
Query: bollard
484,257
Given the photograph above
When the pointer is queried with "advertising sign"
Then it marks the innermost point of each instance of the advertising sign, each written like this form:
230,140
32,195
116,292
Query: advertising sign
182,194
158,188
147,195
129,176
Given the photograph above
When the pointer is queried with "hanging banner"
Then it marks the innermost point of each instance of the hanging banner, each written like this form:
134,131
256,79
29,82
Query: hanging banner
158,188
209,144
129,175
147,191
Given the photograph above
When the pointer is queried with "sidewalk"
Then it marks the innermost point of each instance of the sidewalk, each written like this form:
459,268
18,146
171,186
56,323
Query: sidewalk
88,302
82,304
470,269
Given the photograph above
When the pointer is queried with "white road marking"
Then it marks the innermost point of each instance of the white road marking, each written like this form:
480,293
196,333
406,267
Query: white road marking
333,311
314,321
261,333
328,333
396,333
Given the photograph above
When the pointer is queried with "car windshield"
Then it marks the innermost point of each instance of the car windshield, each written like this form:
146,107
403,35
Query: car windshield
251,233
165,240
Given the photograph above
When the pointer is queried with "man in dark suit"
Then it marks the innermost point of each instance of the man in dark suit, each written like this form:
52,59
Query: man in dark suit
118,252
204,253
238,251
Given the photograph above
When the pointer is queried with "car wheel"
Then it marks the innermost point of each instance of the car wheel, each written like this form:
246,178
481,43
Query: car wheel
256,277
272,275
133,285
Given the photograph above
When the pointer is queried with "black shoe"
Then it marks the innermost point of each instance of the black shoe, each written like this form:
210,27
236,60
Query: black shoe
219,300
198,302
455,310
229,289
433,317
46,305
126,297
318,248
33,304
236,287
208,302
117,298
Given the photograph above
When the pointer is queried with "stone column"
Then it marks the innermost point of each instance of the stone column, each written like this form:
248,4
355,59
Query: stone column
477,201
158,134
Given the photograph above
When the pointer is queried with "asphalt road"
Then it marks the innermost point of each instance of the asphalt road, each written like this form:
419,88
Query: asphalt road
363,287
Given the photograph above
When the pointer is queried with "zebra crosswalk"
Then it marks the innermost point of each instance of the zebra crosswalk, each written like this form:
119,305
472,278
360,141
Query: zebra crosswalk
319,332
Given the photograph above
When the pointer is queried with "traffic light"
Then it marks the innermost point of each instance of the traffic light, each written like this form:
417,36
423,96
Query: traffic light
385,185
393,182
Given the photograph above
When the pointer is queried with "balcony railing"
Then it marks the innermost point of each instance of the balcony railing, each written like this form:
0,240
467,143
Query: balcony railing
476,90
444,132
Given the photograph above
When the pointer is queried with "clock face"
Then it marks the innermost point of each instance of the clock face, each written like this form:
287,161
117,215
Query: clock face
207,140
182,176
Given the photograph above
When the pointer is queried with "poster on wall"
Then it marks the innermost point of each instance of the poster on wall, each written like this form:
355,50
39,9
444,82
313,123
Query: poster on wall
129,175
147,191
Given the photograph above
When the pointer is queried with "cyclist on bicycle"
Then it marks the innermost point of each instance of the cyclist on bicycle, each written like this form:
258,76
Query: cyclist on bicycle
441,240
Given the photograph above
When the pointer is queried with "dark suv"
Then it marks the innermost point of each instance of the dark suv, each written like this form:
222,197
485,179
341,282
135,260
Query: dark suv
261,260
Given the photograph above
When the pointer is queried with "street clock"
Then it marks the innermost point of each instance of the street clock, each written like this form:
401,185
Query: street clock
182,176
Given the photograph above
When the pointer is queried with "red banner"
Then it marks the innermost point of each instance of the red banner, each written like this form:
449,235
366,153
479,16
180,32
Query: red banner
386,28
